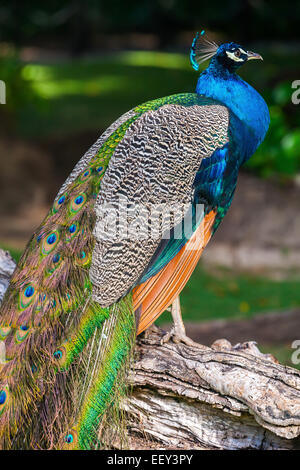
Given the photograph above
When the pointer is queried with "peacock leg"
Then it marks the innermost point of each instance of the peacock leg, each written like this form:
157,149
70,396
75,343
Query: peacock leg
177,332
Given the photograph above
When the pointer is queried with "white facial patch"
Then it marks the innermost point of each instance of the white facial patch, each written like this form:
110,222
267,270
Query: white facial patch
234,57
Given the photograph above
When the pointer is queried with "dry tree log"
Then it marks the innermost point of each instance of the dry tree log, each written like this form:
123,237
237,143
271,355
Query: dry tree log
218,397
222,397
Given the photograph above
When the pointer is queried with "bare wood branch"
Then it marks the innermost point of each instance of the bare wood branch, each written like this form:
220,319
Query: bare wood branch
220,397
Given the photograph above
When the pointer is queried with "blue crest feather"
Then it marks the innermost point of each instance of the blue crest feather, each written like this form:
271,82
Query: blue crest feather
202,49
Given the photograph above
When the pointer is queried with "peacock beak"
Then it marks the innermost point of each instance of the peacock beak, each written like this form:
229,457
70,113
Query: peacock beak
253,55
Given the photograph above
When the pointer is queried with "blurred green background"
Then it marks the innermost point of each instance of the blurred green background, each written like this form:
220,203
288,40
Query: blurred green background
71,68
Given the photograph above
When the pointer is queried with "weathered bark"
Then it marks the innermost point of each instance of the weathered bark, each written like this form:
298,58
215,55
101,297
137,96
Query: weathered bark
222,397
7,266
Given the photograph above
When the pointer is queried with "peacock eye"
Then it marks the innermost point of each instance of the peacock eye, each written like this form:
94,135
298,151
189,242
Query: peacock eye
237,53
2,397
57,354
69,439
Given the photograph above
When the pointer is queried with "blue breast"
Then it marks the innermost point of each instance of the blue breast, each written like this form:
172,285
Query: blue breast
249,113
209,179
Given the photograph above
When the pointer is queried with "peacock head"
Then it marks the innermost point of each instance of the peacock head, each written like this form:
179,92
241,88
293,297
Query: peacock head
232,56
229,56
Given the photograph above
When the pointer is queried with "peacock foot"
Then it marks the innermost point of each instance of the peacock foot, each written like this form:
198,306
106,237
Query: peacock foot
177,332
178,336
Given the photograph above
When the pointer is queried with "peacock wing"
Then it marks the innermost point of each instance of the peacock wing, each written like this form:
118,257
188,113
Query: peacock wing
152,172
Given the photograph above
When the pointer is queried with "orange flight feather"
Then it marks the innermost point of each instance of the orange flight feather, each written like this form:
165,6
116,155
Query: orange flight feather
152,297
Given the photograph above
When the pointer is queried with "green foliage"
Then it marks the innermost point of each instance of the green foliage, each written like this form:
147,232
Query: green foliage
88,94
18,90
279,153
85,95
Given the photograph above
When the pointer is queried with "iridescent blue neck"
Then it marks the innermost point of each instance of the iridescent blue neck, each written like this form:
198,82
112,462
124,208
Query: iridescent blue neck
243,100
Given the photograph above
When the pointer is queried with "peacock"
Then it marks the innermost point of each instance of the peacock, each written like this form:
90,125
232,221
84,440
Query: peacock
85,286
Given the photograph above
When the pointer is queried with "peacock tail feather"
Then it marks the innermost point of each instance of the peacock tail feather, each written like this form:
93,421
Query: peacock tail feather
87,391
49,300
105,382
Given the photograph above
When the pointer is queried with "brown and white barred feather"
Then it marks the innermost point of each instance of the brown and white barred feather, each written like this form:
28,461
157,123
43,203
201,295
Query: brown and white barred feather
154,164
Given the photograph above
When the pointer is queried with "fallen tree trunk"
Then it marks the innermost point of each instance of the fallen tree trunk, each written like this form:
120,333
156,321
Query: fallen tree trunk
218,397
221,397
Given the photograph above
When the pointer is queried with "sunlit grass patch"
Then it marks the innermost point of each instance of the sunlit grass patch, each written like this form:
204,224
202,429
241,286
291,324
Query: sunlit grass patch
94,87
155,59
232,295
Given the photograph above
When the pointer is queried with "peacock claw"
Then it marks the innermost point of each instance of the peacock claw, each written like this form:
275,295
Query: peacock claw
179,337
177,332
